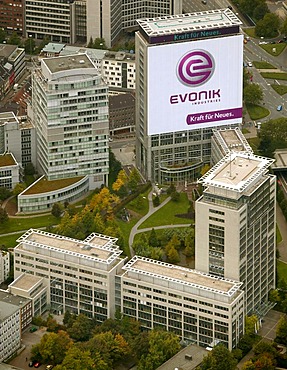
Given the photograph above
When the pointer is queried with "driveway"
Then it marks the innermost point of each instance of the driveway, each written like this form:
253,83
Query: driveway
28,340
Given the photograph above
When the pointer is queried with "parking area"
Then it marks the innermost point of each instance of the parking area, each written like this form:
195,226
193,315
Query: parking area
28,340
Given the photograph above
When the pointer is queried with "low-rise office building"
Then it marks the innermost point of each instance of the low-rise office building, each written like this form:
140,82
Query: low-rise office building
200,308
80,274
10,332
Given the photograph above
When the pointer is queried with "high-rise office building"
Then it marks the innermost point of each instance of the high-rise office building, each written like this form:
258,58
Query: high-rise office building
70,113
235,226
184,90
108,18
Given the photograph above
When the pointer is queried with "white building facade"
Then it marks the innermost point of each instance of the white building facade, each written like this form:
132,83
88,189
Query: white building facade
235,226
80,275
175,116
10,330
4,265
70,113
200,308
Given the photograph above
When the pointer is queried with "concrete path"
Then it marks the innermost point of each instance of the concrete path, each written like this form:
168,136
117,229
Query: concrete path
151,210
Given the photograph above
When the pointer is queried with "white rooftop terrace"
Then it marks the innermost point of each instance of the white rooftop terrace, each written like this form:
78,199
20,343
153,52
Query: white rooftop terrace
236,171
182,275
98,250
209,19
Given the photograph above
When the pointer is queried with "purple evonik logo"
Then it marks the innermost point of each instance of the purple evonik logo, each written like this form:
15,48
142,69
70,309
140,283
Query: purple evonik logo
195,68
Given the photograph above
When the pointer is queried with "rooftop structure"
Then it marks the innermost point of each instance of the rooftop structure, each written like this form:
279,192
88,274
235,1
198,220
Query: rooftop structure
182,23
63,63
102,251
26,282
44,186
232,139
6,297
237,172
193,279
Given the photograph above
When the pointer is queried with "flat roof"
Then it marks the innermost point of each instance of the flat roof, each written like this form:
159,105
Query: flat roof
62,63
7,117
209,19
280,156
182,275
99,252
13,299
236,171
26,282
53,47
7,309
232,139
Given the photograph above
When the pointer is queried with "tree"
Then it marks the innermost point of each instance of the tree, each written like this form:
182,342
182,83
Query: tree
281,331
172,255
4,193
260,10
134,180
273,135
251,323
29,46
29,169
52,347
153,240
77,359
284,27
162,346
69,319
268,26
3,216
253,94
2,35
219,359
175,196
81,328
156,201
57,210
19,188
14,39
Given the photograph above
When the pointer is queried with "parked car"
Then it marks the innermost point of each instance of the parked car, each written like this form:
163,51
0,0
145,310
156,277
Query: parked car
279,107
49,367
31,363
204,2
37,364
250,64
33,329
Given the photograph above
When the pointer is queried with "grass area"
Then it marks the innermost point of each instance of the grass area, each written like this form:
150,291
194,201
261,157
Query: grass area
9,241
19,224
245,131
44,185
281,270
257,112
141,207
126,229
280,89
277,47
159,232
166,214
250,32
263,65
278,235
254,143
274,75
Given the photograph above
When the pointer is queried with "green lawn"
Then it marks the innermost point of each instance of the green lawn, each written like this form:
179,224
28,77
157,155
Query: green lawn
280,89
159,232
250,32
19,224
274,75
281,270
142,207
9,241
254,142
278,48
263,65
257,112
166,214
126,229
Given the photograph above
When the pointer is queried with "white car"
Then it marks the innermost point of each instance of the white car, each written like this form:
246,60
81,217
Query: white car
250,64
